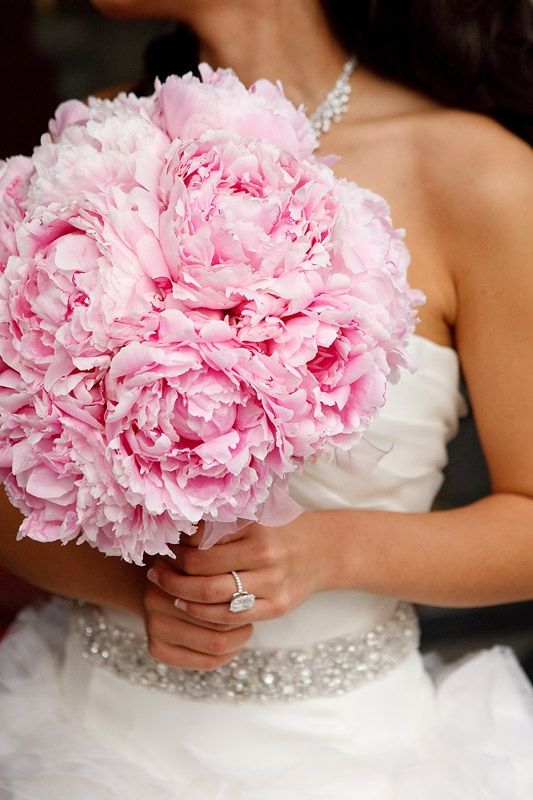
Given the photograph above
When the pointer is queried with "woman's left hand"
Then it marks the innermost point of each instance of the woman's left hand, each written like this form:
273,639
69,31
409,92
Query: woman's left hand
280,566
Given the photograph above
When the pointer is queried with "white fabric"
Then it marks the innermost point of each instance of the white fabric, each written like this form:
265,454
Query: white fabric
72,731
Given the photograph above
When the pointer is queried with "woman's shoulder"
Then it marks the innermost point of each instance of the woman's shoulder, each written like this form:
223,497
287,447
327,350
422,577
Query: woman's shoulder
472,156
478,178
474,195
441,154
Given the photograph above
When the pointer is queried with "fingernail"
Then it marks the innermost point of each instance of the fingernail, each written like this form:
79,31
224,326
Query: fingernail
180,604
152,575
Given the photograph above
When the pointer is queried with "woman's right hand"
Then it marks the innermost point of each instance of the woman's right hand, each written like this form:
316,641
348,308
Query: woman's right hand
181,641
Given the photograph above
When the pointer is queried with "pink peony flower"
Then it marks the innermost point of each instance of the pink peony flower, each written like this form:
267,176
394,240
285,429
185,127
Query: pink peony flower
14,176
243,218
189,107
191,305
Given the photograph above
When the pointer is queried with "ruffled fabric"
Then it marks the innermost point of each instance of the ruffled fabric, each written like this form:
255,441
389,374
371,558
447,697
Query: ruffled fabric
478,746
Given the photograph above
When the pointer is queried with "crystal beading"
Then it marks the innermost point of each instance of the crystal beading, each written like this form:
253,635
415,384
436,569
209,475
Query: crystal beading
330,667
335,104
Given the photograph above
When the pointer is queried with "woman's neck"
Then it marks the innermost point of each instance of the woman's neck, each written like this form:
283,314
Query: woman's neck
286,41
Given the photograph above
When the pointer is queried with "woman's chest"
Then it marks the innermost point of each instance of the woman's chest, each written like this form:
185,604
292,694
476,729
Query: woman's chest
396,168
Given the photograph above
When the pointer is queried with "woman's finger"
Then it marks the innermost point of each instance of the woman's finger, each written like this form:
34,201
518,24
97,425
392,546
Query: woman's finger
179,633
219,613
156,601
250,552
199,589
187,659
195,539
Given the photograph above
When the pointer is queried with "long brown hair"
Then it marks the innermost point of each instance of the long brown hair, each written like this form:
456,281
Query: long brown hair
471,54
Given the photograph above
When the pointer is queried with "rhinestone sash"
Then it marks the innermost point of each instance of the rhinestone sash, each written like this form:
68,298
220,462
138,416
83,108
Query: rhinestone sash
330,667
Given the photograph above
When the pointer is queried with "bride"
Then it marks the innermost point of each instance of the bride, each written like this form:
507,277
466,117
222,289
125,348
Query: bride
154,688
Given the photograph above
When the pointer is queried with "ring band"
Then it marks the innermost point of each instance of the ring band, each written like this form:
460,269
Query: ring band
241,600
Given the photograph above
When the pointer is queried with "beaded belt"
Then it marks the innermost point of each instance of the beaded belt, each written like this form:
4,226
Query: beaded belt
330,667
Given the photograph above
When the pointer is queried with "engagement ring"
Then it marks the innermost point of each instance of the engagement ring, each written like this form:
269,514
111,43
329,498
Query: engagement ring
241,600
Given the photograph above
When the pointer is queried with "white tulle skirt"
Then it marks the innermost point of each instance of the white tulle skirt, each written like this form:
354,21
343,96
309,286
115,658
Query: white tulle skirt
73,731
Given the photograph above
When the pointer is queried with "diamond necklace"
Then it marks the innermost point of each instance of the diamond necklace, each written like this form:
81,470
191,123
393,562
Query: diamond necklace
335,104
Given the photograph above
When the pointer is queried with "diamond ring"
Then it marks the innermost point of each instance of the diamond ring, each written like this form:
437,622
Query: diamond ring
241,600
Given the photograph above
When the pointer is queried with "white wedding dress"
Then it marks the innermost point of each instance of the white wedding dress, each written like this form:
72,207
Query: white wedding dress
85,715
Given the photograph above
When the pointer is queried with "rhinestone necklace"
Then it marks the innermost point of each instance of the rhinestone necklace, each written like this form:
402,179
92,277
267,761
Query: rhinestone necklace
335,104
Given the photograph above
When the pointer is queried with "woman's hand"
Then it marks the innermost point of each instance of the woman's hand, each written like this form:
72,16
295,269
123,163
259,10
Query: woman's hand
280,566
181,641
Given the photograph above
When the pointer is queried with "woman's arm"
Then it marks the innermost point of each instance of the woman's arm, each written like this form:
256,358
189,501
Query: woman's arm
481,196
80,571
69,570
481,554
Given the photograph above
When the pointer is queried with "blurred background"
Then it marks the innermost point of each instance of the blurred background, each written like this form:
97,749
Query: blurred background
52,50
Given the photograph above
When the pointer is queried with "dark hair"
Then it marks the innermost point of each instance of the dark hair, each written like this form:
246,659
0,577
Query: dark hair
471,54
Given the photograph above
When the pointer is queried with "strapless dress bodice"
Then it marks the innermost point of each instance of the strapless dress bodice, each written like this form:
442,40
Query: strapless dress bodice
412,429
419,417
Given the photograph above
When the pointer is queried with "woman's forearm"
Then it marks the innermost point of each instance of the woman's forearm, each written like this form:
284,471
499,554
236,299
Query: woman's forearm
71,570
480,554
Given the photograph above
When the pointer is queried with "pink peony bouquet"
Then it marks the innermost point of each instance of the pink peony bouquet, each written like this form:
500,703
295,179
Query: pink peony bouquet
191,305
